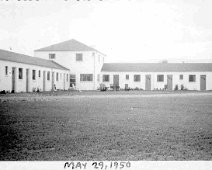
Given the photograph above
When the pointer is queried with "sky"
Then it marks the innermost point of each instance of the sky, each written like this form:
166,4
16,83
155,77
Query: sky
124,30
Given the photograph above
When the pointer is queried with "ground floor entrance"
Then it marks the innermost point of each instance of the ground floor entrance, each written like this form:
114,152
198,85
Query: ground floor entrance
203,82
169,82
116,82
13,79
148,82
27,80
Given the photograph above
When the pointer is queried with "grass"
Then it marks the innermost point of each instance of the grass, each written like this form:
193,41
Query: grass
88,127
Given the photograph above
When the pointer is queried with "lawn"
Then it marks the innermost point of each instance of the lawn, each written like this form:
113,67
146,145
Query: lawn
106,126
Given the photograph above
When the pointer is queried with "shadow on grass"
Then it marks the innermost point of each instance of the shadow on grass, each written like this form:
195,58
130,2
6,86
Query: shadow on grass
9,139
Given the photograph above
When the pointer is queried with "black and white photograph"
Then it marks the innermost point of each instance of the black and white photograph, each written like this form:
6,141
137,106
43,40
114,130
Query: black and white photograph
106,84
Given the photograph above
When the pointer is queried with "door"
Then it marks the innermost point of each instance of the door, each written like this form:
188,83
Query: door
126,87
27,80
203,82
115,82
44,80
169,82
148,82
13,79
52,81
64,81
72,80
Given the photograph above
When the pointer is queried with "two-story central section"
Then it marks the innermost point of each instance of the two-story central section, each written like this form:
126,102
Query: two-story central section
84,62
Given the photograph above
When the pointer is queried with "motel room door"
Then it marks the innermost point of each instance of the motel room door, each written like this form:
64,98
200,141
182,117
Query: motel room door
169,82
203,82
27,80
115,82
44,80
13,79
64,81
148,82
52,81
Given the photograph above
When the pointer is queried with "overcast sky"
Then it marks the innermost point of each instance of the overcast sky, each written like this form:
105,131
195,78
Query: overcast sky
125,30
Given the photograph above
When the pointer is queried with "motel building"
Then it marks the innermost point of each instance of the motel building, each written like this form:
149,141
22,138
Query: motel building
158,76
84,62
22,73
88,70
72,64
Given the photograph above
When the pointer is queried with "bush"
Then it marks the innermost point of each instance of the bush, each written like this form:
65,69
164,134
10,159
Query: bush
3,92
103,87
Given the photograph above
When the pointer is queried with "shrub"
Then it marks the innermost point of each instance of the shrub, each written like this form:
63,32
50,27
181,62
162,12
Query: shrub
103,87
137,88
3,92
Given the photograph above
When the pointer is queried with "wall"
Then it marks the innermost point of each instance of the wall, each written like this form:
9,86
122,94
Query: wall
6,80
159,85
90,65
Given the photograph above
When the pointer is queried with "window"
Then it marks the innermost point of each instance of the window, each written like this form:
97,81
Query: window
160,78
86,77
57,76
127,76
98,77
20,73
33,74
6,70
60,76
48,75
72,80
39,73
79,57
181,77
192,78
137,78
106,78
52,56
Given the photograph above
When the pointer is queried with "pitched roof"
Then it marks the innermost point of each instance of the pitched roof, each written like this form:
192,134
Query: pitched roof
157,67
70,45
21,58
